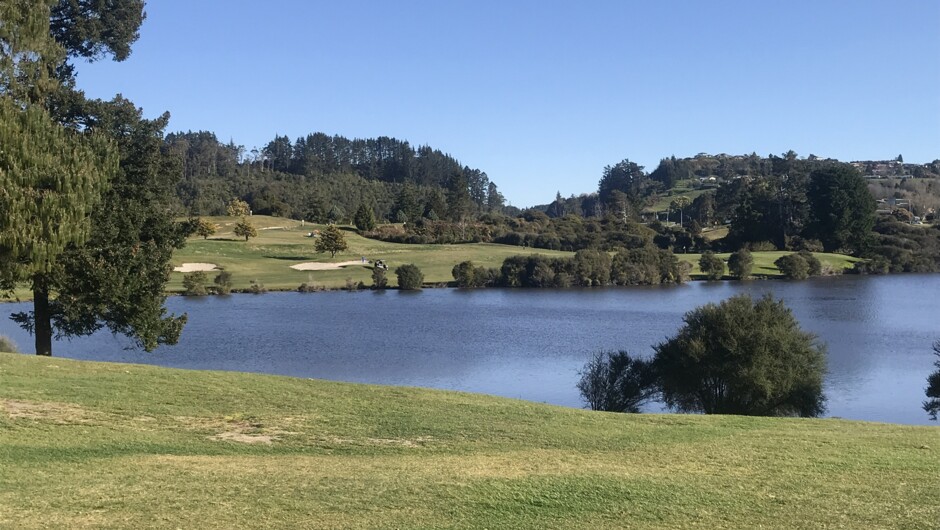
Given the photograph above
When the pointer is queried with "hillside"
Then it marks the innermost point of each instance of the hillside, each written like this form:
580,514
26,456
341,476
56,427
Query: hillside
91,445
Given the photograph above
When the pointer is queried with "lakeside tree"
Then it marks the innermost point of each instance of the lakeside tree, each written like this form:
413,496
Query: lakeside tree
742,357
379,278
244,228
793,266
115,275
740,264
331,240
617,382
711,265
410,277
932,405
206,228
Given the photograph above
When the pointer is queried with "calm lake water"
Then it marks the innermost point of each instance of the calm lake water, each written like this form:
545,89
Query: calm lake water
530,344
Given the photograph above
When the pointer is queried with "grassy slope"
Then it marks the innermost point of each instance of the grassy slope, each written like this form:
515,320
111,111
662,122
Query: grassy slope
281,243
269,256
88,445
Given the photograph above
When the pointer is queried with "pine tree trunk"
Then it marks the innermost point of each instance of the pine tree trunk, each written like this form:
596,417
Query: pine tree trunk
42,325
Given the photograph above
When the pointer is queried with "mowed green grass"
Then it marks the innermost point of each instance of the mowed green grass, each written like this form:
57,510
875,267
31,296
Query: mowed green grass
282,243
90,445
764,263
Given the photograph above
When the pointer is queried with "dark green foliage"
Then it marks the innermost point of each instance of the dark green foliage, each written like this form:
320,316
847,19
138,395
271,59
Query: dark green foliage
932,405
793,266
813,265
875,265
256,287
842,210
904,247
742,357
331,240
711,265
379,278
410,277
616,382
469,276
647,266
194,283
622,187
118,278
740,264
223,282
364,218
94,28
592,268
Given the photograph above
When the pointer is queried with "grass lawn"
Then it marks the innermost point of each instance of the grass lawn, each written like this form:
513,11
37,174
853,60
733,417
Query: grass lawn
282,243
90,445
764,262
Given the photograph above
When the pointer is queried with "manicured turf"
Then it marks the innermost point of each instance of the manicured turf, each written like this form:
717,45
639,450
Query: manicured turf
282,243
764,263
90,445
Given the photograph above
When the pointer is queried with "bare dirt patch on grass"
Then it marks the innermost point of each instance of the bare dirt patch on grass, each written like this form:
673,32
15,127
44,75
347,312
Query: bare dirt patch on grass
196,267
59,413
314,266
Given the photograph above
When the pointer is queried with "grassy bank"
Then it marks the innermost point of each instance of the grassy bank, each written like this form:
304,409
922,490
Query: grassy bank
108,445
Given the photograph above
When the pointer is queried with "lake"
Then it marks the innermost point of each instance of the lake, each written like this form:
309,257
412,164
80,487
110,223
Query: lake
530,344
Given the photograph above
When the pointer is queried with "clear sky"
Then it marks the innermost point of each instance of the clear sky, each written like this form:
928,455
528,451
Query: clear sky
543,94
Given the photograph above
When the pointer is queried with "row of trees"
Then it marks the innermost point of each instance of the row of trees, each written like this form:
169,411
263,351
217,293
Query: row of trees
588,268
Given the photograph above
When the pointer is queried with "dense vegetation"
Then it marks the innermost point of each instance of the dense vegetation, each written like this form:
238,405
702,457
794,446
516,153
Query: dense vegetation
737,357
86,193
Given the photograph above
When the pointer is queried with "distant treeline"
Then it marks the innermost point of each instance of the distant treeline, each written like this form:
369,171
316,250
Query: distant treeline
321,177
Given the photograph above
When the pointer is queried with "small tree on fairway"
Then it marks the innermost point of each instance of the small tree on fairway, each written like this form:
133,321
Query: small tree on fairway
742,357
932,405
364,218
410,277
616,382
740,264
244,228
711,265
205,228
238,208
331,240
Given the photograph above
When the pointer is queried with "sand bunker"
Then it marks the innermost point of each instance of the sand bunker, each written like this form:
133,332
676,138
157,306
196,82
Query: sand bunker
311,266
194,267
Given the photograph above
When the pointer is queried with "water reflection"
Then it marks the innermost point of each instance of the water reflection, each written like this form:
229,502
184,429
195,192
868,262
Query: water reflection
530,344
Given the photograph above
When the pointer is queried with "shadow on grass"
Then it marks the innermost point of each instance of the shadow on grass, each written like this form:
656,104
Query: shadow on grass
290,258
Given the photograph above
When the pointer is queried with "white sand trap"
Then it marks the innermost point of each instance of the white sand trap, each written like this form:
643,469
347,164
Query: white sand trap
194,267
312,266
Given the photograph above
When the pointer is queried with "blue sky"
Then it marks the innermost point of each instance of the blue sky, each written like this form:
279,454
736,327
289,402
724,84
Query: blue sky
543,94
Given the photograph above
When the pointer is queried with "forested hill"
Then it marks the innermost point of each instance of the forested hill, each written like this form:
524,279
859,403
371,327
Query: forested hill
320,176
